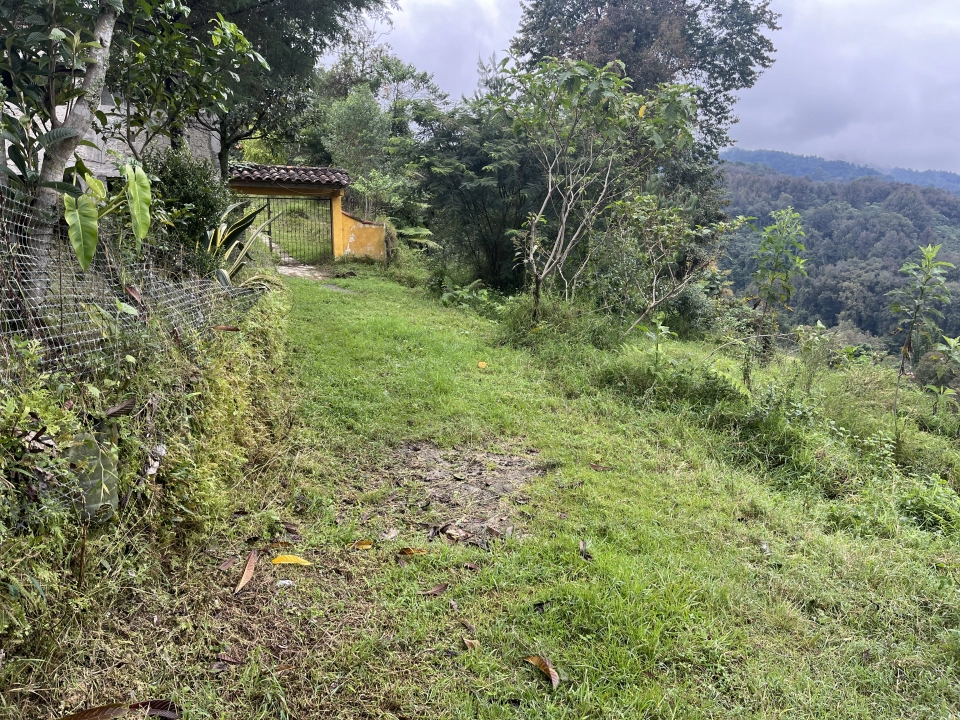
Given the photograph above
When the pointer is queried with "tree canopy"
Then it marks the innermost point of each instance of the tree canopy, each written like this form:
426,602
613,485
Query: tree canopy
292,35
718,45
859,234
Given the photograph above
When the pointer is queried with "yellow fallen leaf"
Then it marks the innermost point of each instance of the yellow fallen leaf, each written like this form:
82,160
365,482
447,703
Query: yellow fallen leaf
482,365
412,551
290,560
471,644
363,544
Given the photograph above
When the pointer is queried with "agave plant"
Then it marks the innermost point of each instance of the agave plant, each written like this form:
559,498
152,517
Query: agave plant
228,240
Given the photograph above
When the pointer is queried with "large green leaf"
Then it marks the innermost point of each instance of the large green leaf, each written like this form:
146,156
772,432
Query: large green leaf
57,135
138,199
83,227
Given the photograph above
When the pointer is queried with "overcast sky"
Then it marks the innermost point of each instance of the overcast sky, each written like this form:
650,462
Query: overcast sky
869,81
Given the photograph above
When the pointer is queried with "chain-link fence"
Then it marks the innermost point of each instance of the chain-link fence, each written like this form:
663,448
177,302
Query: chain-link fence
123,300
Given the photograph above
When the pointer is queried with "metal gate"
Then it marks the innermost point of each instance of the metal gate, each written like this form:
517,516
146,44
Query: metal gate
303,230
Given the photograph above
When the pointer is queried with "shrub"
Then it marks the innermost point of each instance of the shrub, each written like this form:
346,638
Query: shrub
194,196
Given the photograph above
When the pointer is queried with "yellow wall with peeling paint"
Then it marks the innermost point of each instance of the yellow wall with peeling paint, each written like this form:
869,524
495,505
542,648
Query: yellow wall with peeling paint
358,237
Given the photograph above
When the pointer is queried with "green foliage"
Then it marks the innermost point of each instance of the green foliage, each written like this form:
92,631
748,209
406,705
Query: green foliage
592,137
778,260
230,243
917,304
648,257
164,74
83,213
200,426
660,43
194,198
357,131
933,506
476,202
292,36
857,235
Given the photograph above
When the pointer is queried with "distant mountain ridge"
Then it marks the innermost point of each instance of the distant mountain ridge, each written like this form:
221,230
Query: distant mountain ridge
818,168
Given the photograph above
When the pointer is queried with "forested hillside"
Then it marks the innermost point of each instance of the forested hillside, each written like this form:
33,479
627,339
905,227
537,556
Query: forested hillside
818,168
859,234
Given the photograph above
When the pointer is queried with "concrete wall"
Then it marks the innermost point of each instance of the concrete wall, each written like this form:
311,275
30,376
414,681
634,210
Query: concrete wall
359,238
203,145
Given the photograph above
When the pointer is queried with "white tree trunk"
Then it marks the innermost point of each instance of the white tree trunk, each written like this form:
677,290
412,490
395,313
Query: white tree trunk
55,159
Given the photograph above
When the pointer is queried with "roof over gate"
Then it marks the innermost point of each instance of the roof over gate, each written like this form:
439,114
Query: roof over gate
267,179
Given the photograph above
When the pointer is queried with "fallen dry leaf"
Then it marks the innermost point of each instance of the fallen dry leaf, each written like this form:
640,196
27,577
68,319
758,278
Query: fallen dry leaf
471,566
456,534
153,708
601,468
135,294
469,626
280,544
411,551
471,644
290,560
291,527
227,564
546,667
227,658
454,606
436,591
363,544
285,667
247,571
390,534
226,328
584,553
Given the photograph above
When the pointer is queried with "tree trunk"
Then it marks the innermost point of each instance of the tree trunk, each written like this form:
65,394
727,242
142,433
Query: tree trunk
177,141
223,155
537,289
4,181
56,157
81,116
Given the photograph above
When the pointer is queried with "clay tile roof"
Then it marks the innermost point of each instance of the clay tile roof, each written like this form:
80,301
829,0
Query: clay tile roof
294,174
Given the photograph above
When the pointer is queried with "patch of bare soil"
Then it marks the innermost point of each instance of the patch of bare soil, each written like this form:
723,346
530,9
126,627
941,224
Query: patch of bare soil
307,272
461,494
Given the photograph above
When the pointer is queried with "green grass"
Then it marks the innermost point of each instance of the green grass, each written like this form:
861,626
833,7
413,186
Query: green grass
713,591
721,585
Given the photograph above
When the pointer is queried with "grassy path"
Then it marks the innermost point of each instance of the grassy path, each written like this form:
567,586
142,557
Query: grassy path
708,593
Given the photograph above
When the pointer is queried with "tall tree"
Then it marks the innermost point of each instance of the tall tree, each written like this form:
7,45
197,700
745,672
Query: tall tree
719,46
292,35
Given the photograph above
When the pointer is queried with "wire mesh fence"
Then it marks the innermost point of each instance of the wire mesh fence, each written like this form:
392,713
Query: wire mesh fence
302,231
117,306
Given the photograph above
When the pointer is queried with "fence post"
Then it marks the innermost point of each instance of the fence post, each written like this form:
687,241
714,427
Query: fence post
269,216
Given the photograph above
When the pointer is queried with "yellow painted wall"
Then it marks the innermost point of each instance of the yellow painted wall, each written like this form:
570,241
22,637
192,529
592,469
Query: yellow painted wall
358,237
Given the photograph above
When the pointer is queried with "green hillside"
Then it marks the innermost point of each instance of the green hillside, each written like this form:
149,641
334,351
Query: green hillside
818,168
859,234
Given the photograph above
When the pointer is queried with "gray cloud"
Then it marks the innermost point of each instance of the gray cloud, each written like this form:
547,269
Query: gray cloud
448,37
870,81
